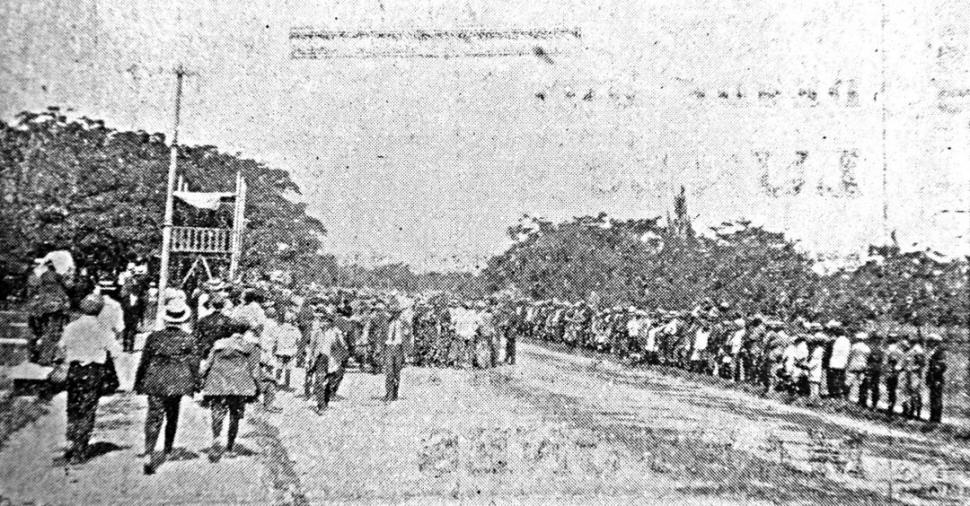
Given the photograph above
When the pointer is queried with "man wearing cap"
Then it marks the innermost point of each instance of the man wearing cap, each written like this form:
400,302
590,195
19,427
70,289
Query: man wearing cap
393,354
168,369
84,347
935,371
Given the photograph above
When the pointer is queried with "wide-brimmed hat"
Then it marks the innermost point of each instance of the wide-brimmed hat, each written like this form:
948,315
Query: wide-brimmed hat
92,304
177,311
934,337
861,336
215,284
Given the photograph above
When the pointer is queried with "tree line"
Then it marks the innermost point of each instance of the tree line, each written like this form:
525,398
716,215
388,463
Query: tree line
78,184
668,264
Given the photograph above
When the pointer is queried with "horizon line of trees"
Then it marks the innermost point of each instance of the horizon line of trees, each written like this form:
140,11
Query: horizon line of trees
77,184
652,264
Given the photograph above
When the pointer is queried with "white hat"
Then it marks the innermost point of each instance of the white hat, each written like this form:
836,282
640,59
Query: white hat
177,311
861,336
934,337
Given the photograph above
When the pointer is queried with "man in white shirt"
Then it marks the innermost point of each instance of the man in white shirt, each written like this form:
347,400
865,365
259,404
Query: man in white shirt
466,322
735,342
698,354
837,363
325,361
393,353
112,316
84,347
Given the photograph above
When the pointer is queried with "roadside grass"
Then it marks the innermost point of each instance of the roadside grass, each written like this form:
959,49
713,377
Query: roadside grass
712,466
956,401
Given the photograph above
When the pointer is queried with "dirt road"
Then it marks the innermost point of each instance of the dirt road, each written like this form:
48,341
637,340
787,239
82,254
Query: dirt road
554,428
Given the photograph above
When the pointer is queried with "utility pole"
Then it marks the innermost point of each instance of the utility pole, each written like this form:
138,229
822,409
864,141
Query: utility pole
169,203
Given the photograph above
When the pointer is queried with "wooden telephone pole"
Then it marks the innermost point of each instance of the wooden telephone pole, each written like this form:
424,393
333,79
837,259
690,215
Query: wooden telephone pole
169,202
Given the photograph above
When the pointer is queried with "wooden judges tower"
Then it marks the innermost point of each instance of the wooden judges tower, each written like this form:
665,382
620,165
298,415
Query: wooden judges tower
201,242
206,242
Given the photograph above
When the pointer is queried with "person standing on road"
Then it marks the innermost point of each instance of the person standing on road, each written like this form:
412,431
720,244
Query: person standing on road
231,379
324,362
838,360
893,367
393,354
815,366
858,367
133,295
935,371
48,314
286,346
874,366
376,334
168,370
84,347
112,315
214,326
304,322
914,365
267,359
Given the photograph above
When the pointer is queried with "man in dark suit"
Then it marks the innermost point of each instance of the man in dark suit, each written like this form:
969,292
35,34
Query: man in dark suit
378,334
935,370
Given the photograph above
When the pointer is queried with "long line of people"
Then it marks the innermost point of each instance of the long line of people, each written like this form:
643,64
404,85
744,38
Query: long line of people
802,358
233,346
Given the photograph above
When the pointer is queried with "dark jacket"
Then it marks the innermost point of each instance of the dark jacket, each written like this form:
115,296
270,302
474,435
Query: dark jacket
232,369
304,318
936,366
50,296
212,328
169,364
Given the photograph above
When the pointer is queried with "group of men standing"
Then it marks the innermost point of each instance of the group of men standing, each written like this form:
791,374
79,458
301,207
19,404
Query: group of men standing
801,357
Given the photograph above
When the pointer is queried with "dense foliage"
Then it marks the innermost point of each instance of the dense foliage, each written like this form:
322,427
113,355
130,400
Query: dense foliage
100,192
754,270
79,185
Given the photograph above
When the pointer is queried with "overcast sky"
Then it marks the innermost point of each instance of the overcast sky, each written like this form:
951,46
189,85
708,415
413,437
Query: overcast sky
428,161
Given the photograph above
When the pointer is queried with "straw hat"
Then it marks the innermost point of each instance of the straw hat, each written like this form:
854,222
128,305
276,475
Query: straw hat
177,311
215,284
